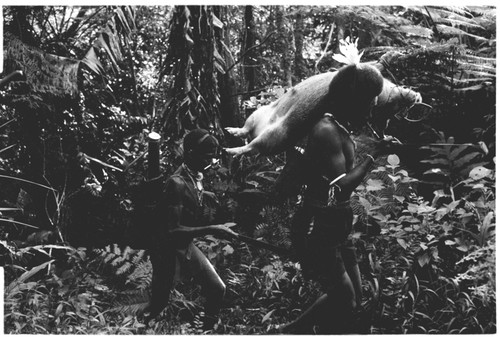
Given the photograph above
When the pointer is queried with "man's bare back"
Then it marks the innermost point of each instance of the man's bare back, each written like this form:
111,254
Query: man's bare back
330,153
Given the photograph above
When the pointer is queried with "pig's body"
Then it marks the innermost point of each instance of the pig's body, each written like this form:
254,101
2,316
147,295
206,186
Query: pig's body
275,127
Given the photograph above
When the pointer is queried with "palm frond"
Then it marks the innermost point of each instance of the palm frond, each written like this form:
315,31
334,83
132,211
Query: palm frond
45,73
108,40
447,30
416,31
463,22
477,69
446,11
125,20
485,11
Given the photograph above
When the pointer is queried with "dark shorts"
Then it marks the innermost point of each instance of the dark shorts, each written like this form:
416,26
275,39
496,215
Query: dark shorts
320,238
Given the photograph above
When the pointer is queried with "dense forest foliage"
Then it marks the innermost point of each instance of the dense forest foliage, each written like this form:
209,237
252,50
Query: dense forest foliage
89,84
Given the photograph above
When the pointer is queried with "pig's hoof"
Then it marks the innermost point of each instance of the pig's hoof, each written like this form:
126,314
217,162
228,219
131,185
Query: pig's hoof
237,132
237,151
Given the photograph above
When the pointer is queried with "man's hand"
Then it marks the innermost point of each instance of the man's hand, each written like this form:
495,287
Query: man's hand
386,146
225,229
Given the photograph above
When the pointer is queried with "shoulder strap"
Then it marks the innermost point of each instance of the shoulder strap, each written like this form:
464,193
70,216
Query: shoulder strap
189,185
177,175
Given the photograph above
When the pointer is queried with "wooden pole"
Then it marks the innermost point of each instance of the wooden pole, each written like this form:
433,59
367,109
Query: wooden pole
154,155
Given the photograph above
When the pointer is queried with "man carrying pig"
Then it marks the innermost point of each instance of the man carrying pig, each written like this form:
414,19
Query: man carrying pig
323,108
321,226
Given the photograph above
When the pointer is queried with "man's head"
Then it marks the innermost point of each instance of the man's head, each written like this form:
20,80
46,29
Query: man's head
200,149
353,93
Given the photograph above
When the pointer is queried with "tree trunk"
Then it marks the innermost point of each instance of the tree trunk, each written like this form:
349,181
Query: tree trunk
340,23
204,77
190,59
229,107
299,66
20,26
283,45
249,55
30,130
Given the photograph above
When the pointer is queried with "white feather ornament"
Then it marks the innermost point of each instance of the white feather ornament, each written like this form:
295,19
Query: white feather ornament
348,52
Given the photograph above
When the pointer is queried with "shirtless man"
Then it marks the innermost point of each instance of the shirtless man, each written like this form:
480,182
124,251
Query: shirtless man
174,255
321,226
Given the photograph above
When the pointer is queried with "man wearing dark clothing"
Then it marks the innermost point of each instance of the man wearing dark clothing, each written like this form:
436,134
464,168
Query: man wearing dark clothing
174,255
321,226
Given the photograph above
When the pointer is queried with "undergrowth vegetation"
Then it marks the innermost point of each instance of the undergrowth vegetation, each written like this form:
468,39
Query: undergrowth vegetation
428,267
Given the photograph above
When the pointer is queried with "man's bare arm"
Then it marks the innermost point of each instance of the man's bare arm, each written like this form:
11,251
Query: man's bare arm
328,138
192,232
174,190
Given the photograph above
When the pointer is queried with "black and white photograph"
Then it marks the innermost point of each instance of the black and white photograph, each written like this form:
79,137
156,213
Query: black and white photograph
248,169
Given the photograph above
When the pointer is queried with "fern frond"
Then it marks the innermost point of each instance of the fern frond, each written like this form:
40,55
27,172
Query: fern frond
139,258
261,228
142,276
117,261
125,262
469,82
481,69
417,31
463,22
109,257
446,11
490,62
404,190
124,268
132,302
454,161
284,239
444,29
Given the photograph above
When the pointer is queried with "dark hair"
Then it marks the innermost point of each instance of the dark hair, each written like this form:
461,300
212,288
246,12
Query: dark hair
200,141
356,81
352,91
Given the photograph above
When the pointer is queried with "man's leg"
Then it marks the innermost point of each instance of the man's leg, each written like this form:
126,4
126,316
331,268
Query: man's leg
349,257
212,287
362,313
301,223
163,262
331,311
304,323
339,316
355,276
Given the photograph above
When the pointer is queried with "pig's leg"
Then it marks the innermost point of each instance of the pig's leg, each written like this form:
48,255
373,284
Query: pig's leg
238,132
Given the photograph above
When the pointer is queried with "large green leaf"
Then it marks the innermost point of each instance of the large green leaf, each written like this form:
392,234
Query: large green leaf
12,288
92,62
